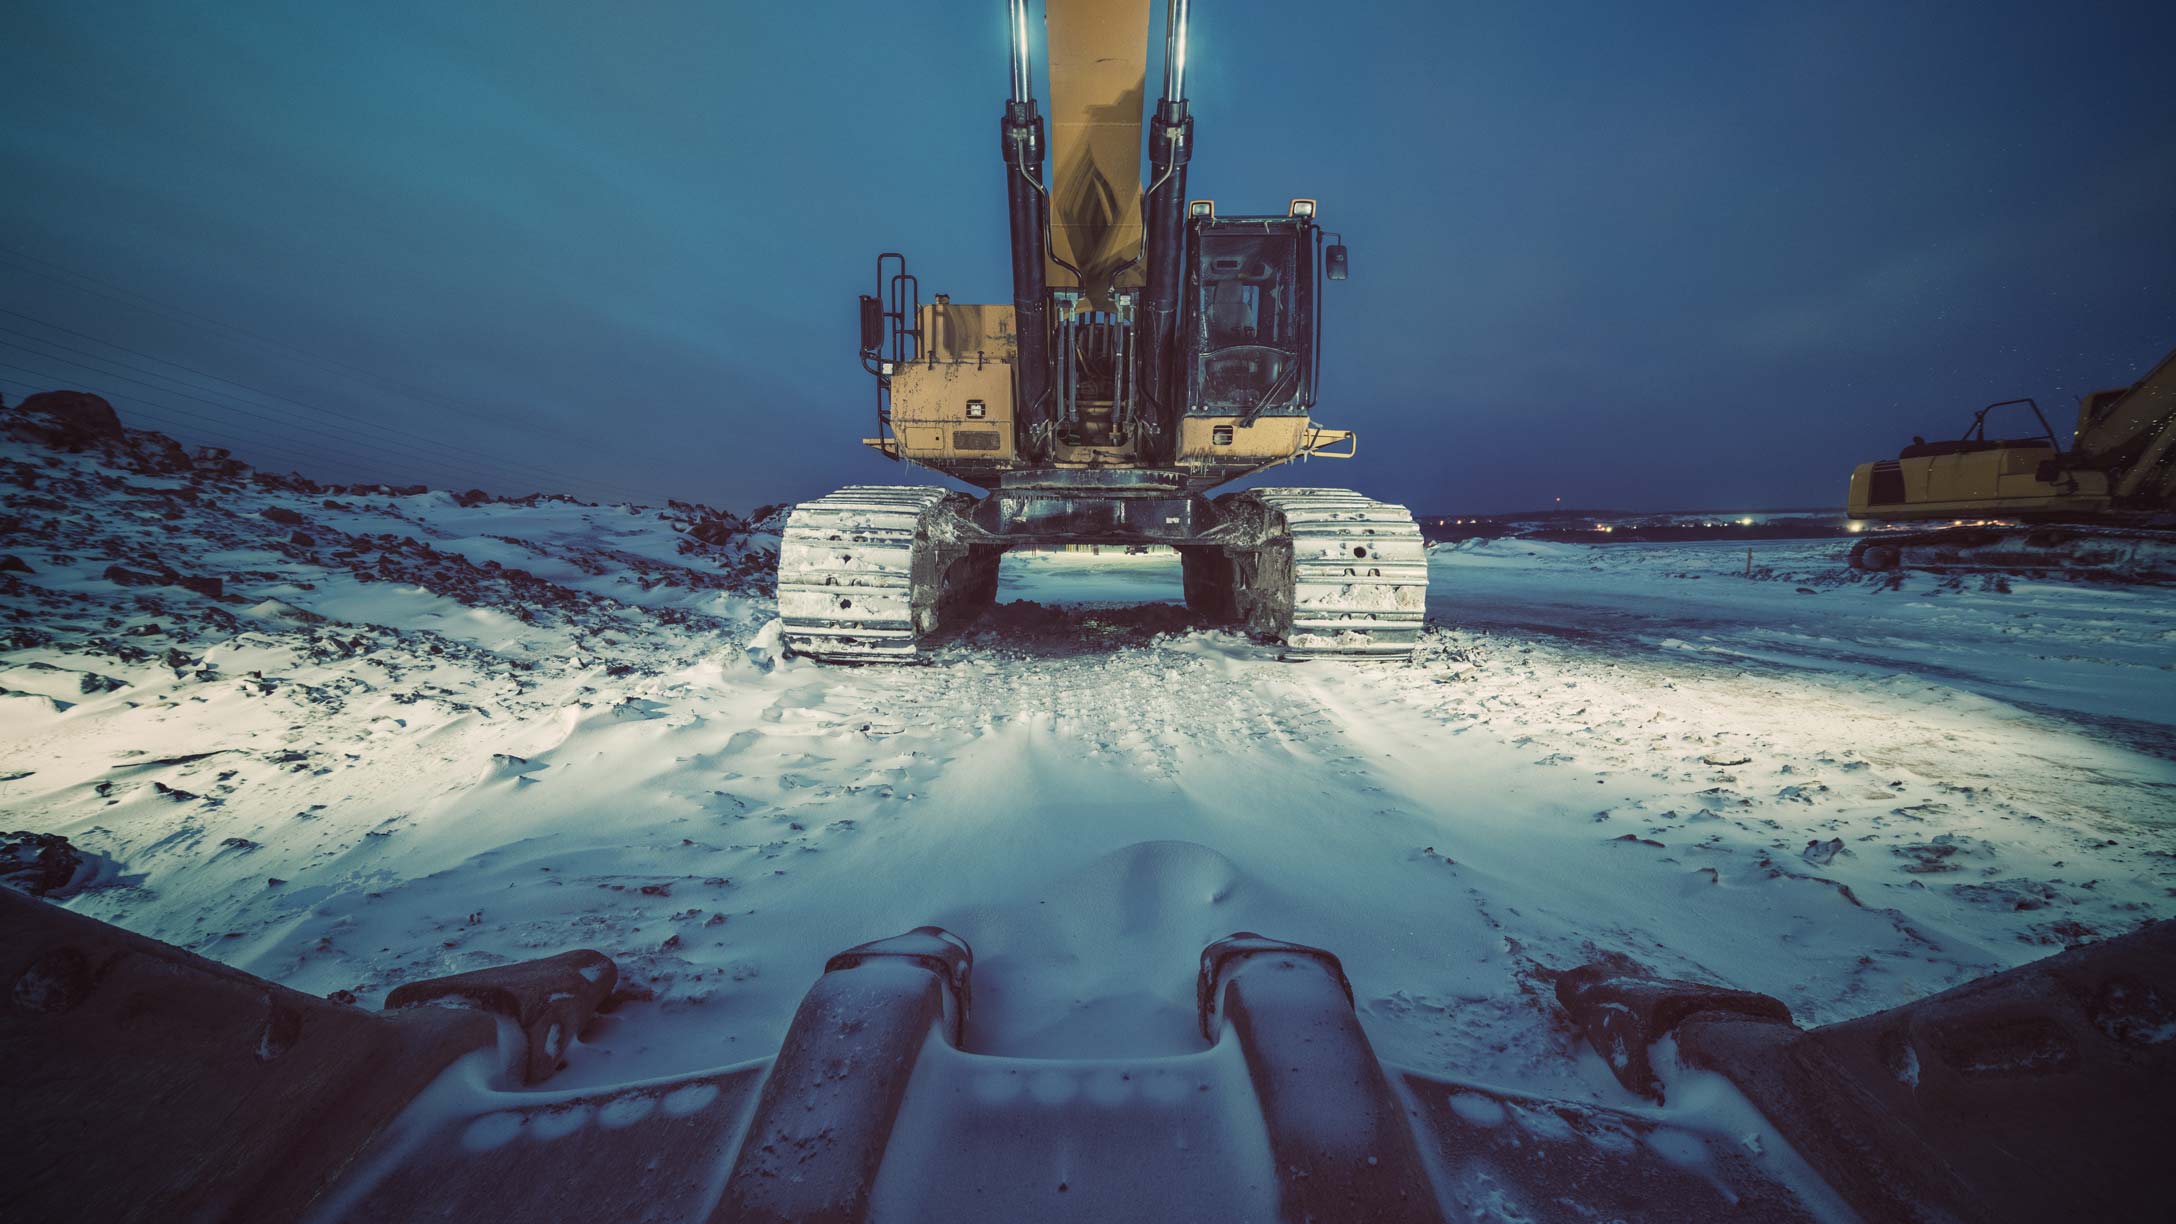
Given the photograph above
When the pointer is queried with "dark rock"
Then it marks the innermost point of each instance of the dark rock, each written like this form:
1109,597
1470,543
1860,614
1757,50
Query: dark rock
42,864
124,576
72,419
12,564
282,515
155,452
237,843
714,531
92,682
121,575
1928,858
1819,853
301,539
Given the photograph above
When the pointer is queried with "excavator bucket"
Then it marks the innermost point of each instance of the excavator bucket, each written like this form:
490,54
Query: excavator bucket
149,1084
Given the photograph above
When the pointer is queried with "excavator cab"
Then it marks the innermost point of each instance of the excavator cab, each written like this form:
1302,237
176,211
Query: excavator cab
1251,321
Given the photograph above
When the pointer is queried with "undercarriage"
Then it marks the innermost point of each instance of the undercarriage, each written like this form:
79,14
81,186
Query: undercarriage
2136,554
875,573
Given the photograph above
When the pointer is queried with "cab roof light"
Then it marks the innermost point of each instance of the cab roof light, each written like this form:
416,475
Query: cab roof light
1201,208
1301,208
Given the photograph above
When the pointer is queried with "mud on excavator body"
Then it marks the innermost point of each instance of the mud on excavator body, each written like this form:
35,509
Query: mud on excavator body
1153,350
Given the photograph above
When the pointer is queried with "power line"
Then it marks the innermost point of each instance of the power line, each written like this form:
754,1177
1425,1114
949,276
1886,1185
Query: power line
255,448
391,450
333,413
432,469
149,411
458,476
500,470
143,301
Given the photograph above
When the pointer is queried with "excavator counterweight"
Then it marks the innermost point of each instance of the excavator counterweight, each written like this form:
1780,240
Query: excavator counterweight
1152,350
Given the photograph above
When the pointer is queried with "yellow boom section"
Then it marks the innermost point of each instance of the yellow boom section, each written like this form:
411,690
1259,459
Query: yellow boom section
1098,66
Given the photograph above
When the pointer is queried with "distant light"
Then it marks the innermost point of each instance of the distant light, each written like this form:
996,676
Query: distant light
1745,522
1604,528
1854,528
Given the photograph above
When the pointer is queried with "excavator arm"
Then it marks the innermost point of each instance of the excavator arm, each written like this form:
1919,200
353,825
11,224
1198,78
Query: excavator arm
2130,433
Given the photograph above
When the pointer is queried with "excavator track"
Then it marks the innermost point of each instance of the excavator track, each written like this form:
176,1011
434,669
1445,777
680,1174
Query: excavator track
2095,552
872,573
1335,574
869,573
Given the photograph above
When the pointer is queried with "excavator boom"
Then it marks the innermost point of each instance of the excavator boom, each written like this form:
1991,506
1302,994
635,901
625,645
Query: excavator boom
2131,431
1098,74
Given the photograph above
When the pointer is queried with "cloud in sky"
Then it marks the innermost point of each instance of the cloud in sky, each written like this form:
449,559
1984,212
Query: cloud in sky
1633,255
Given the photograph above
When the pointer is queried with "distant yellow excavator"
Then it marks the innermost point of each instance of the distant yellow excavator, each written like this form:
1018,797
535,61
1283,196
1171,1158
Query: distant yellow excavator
2105,506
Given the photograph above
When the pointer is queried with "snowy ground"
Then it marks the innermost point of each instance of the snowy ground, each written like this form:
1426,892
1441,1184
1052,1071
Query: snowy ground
428,737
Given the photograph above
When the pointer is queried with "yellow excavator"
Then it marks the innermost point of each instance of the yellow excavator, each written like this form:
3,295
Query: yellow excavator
2103,506
1153,349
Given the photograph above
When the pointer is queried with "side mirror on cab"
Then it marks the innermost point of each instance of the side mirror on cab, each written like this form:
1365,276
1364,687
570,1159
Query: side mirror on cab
1335,265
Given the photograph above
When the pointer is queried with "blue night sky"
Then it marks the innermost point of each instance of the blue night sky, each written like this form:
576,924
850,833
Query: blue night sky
1641,256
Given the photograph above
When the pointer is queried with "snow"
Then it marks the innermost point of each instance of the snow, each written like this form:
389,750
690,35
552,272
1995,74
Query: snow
1803,781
